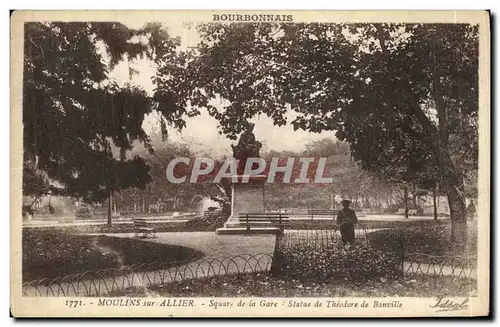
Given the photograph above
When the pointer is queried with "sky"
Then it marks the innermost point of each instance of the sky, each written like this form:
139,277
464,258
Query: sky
202,131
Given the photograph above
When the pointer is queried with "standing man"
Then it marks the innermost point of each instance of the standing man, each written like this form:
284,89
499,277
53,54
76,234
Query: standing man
346,219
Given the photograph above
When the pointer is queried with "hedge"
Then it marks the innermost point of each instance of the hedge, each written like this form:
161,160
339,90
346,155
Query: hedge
326,263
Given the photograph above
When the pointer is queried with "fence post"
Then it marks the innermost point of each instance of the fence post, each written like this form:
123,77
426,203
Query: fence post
248,224
402,252
277,262
282,228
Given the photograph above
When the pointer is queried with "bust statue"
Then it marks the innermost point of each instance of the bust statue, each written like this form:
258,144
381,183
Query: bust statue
247,147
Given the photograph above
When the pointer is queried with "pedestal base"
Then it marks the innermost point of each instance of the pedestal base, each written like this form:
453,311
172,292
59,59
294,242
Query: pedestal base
247,197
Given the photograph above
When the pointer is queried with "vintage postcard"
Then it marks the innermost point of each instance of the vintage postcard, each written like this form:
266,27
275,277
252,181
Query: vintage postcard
250,163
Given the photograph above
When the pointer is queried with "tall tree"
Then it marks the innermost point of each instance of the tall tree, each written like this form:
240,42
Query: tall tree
371,83
73,113
160,189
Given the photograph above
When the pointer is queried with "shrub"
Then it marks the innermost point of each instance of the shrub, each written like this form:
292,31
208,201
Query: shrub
391,240
83,212
210,221
431,238
264,285
361,262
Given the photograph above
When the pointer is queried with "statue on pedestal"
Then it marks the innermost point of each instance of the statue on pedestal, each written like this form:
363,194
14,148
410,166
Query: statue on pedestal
244,196
247,147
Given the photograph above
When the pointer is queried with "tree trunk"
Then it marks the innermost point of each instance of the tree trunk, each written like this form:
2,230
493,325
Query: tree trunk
379,205
458,217
456,202
414,196
434,203
453,183
405,190
110,200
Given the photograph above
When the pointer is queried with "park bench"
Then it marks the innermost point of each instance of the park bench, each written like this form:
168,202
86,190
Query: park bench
263,219
142,225
411,212
321,213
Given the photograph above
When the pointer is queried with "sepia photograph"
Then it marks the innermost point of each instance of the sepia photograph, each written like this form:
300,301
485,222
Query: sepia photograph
238,161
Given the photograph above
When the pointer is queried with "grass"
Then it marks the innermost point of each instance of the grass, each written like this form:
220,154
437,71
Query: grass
263,285
367,224
432,239
161,227
198,225
51,253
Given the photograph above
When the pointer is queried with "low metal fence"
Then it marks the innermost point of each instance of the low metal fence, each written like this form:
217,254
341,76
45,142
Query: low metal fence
440,266
320,237
147,275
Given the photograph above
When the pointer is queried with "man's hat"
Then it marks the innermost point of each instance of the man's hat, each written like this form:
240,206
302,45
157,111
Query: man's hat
345,202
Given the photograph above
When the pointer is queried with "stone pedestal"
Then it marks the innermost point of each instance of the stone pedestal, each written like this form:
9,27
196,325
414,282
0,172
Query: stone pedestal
246,197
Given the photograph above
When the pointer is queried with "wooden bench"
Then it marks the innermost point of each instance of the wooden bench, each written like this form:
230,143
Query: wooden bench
411,212
322,213
271,219
142,225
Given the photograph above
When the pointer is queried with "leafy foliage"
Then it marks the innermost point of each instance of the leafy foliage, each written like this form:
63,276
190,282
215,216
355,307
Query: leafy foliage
387,89
264,285
83,212
159,189
35,181
73,114
429,238
361,262
209,222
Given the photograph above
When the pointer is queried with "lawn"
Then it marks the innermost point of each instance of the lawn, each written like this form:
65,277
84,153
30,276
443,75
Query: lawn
263,285
427,238
367,224
51,252
200,225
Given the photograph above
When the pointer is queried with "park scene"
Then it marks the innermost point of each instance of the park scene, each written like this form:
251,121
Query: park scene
232,159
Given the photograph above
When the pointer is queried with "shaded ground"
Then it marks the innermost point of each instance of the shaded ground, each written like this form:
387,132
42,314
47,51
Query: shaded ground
226,251
181,225
432,239
213,245
151,275
186,223
66,253
50,253
368,223
263,285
